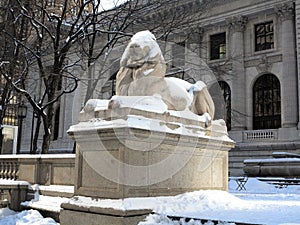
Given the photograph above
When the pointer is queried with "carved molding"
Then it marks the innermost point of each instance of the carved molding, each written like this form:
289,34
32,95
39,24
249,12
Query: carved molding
285,11
263,63
237,23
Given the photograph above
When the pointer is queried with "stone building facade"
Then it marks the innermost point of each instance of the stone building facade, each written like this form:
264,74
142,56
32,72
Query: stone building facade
255,44
261,75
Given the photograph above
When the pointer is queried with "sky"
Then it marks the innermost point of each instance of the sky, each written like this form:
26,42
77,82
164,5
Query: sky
109,4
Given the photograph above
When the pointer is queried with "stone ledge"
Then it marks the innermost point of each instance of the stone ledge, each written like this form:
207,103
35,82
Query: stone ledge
106,211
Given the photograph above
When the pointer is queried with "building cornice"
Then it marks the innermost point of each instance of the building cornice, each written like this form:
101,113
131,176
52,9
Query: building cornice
246,11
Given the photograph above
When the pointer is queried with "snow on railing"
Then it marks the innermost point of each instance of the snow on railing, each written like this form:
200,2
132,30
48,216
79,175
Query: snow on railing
260,135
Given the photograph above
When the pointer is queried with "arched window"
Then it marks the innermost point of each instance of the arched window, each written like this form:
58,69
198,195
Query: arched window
225,89
266,103
222,106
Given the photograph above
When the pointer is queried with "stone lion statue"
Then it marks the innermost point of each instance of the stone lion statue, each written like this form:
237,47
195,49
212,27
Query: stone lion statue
142,73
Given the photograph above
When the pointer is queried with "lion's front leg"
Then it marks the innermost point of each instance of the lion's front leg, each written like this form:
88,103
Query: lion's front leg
124,79
202,102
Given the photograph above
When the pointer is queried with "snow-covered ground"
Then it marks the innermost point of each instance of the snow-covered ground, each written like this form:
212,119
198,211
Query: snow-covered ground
261,203
26,217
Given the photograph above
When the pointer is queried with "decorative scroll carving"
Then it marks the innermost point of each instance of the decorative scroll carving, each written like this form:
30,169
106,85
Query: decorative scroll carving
237,24
285,11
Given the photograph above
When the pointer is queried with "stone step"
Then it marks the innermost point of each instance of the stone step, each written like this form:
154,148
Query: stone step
57,191
62,191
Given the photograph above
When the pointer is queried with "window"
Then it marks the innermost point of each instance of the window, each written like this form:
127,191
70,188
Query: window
221,95
113,84
264,36
178,54
218,46
11,108
56,123
51,3
11,115
266,103
225,89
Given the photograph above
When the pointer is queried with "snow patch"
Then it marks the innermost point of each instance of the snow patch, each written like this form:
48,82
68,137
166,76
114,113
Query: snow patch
13,182
26,217
144,103
147,72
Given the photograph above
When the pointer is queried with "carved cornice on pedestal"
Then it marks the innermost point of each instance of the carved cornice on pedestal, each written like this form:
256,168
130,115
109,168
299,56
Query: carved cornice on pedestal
237,23
285,11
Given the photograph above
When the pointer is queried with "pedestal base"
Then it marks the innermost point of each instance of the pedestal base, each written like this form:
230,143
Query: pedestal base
75,215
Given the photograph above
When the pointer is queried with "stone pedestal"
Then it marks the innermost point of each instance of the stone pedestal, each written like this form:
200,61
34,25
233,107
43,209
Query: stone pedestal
125,154
128,151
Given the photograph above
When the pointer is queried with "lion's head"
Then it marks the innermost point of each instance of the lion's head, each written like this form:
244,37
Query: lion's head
142,49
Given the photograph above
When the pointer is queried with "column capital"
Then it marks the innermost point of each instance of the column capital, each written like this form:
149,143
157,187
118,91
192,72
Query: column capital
237,23
195,34
195,30
285,11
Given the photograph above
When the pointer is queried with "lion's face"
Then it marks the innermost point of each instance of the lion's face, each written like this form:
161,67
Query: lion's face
137,54
141,49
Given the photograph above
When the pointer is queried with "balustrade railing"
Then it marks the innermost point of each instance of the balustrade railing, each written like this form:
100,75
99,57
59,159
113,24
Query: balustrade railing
260,135
52,169
9,169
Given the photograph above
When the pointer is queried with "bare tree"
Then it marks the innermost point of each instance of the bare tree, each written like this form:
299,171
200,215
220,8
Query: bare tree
54,30
12,62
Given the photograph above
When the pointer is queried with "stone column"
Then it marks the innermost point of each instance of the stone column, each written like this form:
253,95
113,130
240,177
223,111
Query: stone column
289,93
194,41
297,12
238,100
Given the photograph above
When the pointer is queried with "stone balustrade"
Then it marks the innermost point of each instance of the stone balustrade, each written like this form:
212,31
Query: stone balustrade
52,169
9,169
260,135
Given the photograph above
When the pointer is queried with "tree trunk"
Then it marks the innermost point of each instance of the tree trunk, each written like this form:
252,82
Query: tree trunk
46,142
47,122
36,135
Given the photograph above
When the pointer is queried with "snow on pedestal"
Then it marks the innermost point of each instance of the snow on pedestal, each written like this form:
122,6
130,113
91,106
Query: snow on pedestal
136,147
